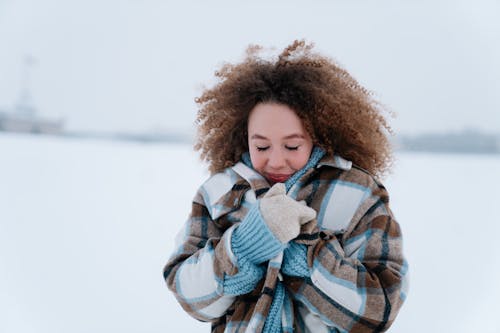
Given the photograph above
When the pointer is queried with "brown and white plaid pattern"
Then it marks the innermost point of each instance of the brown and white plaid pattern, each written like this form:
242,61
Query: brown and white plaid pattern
358,276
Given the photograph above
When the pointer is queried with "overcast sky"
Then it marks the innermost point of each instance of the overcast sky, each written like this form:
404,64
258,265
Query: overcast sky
137,65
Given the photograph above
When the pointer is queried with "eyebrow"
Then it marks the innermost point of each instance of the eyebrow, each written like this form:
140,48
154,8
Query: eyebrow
291,136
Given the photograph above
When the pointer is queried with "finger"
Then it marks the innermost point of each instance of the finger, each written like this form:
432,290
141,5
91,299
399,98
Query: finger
306,214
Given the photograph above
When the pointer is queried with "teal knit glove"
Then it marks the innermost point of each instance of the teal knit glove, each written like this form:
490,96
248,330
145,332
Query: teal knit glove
253,241
295,261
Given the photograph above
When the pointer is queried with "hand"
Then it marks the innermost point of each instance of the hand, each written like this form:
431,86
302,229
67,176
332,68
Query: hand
284,215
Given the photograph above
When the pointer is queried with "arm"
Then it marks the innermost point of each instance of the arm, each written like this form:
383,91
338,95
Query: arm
211,266
195,270
358,283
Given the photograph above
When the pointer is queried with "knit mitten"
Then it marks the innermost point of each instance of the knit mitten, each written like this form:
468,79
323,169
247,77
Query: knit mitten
295,260
283,215
252,240
269,225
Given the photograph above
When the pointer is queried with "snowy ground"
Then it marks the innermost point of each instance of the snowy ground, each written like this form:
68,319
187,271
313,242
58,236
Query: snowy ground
86,227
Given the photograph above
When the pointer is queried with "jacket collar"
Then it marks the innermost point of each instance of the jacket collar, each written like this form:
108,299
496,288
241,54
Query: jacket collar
225,191
257,182
335,161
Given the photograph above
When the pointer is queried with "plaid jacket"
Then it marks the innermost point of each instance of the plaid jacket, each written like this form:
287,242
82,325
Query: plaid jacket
358,275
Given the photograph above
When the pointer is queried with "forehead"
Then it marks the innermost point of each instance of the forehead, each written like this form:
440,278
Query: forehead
268,119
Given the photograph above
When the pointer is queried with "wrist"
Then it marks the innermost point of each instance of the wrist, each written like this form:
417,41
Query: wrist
253,240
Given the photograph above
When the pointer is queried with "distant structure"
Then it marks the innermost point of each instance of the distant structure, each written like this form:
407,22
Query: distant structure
466,141
22,117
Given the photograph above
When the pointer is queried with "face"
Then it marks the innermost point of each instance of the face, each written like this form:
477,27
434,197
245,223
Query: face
278,142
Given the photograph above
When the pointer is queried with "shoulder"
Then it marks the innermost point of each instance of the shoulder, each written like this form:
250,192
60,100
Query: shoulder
216,186
335,169
342,194
223,192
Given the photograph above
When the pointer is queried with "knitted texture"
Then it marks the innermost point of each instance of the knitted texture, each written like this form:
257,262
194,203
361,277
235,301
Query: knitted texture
316,154
295,260
253,240
273,320
245,280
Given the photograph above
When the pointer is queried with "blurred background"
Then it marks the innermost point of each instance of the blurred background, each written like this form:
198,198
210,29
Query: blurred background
97,170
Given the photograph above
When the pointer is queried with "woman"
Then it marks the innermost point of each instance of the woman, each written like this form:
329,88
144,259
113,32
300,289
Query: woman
292,231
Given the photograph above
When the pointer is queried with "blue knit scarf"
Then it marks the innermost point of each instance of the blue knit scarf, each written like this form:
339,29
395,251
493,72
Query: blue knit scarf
316,155
273,320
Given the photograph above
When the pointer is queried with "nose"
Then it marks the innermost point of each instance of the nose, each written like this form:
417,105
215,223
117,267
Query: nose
276,160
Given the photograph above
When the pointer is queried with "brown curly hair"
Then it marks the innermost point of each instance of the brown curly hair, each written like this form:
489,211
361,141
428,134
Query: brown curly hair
340,115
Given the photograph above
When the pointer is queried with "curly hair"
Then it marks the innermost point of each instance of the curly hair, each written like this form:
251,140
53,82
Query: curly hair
338,113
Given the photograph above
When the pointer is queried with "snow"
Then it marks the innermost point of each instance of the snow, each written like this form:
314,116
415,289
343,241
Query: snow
87,225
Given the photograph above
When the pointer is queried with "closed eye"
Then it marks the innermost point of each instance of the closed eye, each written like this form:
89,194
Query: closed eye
262,148
292,148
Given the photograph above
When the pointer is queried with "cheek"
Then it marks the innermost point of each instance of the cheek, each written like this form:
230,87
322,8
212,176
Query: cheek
258,161
300,160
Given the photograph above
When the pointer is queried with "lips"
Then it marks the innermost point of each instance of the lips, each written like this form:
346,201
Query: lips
277,178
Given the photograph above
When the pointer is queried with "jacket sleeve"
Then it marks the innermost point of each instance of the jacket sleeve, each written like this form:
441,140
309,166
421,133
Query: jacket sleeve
358,282
195,270
204,273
